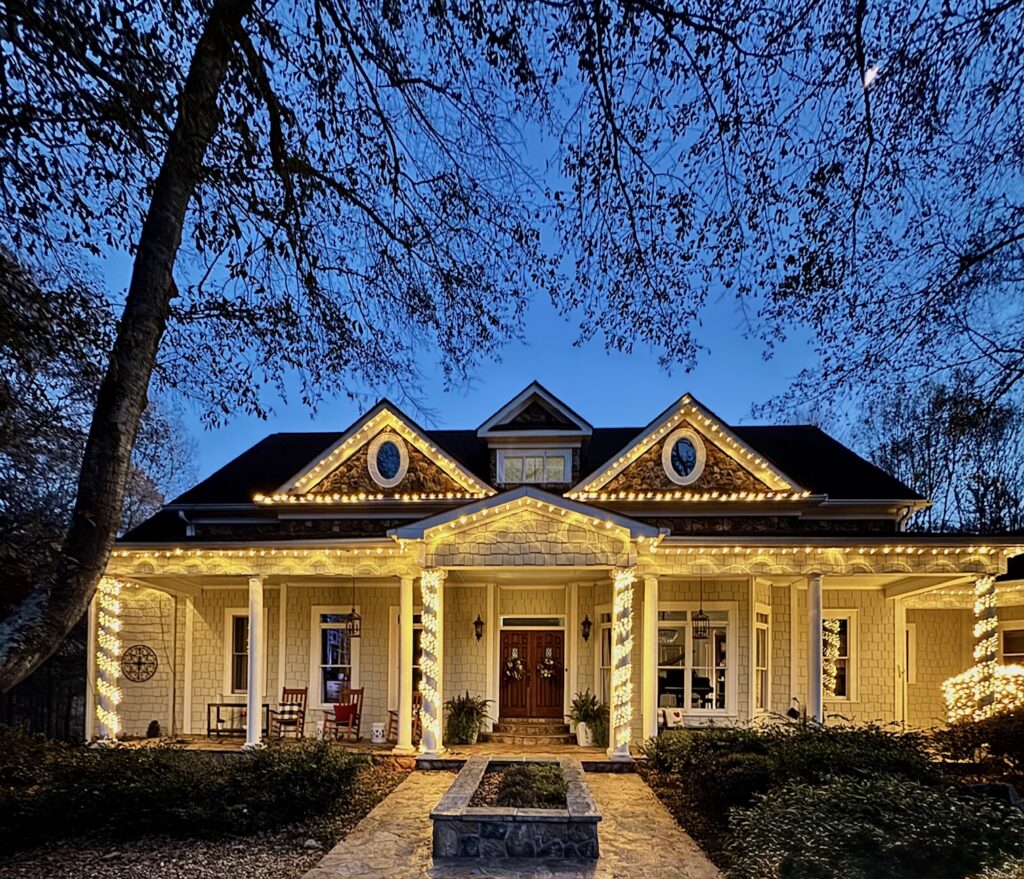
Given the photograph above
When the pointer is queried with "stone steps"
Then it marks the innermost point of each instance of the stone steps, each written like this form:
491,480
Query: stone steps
529,731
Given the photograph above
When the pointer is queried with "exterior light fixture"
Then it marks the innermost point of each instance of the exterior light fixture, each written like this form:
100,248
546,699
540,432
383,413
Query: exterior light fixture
585,627
353,622
478,627
701,622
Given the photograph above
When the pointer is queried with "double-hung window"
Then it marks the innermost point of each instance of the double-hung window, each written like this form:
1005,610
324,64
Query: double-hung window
604,632
239,657
762,652
1012,643
695,674
838,637
334,656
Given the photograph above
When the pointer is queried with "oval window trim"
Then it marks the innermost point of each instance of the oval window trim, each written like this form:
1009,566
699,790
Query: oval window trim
684,433
403,459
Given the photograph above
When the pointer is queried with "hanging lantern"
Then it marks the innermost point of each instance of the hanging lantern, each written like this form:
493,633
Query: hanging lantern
353,622
478,627
700,620
585,627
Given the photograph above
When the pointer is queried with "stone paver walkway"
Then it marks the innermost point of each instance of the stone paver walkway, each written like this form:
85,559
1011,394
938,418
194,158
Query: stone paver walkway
639,840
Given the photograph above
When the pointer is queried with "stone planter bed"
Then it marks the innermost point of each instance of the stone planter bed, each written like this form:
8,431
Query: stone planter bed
465,831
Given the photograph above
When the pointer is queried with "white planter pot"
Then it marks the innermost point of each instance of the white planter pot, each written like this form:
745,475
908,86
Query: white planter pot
584,738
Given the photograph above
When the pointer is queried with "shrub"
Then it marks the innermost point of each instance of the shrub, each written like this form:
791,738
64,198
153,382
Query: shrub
1000,736
583,708
49,790
599,727
466,716
532,786
847,828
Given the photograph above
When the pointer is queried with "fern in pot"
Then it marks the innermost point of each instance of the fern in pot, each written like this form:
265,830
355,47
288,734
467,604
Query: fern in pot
466,716
584,710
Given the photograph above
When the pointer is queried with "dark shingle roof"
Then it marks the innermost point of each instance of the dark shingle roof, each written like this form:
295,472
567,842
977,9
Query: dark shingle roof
805,453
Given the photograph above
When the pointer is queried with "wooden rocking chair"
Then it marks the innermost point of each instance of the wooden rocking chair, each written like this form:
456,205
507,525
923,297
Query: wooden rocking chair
417,726
344,720
290,717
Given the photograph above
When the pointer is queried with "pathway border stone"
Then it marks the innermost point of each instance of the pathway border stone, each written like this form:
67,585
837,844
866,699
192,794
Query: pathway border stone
639,840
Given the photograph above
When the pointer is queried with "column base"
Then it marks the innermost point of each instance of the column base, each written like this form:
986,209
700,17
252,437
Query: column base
618,756
404,752
253,746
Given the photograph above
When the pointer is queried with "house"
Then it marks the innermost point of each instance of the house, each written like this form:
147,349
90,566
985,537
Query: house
688,571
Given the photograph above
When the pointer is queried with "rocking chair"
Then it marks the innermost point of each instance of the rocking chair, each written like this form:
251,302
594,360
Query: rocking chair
344,720
290,717
417,726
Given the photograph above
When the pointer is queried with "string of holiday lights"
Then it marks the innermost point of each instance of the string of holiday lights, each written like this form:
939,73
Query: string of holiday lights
830,632
622,656
108,655
431,583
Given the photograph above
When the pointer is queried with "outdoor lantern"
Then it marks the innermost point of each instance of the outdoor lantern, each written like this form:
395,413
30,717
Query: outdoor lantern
585,627
353,622
478,627
700,620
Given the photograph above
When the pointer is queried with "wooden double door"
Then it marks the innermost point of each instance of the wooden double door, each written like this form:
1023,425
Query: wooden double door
532,673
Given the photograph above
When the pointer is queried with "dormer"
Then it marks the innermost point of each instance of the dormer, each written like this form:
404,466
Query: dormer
534,439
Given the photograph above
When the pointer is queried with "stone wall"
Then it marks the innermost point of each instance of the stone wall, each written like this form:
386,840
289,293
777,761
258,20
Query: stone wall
943,639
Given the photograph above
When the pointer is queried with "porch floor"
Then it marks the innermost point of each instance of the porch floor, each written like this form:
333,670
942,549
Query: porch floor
593,759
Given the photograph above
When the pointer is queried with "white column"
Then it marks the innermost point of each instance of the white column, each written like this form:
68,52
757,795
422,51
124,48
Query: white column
491,637
405,633
186,686
814,658
90,670
649,689
622,664
571,640
282,638
254,696
431,662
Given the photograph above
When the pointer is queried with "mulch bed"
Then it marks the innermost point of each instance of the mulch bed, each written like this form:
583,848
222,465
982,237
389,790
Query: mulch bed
285,853
487,792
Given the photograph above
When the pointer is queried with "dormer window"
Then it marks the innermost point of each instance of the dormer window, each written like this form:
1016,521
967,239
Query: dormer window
516,466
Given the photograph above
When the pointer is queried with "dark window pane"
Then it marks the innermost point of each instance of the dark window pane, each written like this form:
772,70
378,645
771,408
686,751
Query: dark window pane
671,687
239,672
335,680
334,647
1013,641
684,457
389,459
240,635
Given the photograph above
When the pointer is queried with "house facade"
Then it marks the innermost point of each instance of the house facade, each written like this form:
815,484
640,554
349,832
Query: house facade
686,572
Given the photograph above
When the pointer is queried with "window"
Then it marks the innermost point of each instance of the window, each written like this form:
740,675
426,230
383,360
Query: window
683,456
837,649
334,656
694,673
387,459
239,653
534,465
762,646
604,631
532,622
1013,646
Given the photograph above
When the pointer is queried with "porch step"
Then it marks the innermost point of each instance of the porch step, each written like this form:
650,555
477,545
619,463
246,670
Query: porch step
532,727
505,738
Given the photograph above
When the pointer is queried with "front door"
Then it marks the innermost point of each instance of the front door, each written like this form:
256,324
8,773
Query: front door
532,673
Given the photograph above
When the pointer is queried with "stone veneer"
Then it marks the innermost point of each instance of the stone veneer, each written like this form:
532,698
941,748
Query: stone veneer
464,831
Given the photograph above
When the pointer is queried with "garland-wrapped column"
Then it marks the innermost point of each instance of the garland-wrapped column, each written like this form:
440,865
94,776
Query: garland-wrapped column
108,657
431,663
622,663
986,644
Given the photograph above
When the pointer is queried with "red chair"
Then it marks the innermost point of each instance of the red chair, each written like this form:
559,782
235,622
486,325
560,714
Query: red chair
346,717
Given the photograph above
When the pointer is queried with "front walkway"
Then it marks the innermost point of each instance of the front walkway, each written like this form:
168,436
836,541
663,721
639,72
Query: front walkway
638,838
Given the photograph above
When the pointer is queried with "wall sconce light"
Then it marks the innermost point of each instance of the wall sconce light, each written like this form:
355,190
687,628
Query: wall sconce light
478,627
585,627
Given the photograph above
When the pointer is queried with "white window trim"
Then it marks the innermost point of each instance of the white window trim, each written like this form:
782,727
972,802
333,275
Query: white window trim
598,627
910,645
532,452
394,636
1007,626
403,459
732,656
229,614
851,615
314,651
765,609
684,433
560,627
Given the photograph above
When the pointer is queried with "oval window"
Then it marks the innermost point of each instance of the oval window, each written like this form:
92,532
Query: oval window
684,457
389,460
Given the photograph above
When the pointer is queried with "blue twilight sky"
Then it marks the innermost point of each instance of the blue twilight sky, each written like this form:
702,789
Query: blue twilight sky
608,389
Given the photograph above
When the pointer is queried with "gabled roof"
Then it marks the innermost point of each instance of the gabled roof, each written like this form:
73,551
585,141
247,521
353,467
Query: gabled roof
385,415
542,501
547,415
687,410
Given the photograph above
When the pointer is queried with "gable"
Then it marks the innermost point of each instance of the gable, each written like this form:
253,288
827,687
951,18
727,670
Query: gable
351,469
537,411
725,467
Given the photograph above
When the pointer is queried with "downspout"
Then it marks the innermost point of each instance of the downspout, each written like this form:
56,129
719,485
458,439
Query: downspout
190,528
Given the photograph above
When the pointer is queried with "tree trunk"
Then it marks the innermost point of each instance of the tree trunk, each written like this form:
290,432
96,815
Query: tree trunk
38,624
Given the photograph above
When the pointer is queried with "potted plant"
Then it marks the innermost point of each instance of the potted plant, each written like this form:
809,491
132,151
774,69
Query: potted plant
583,711
466,716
